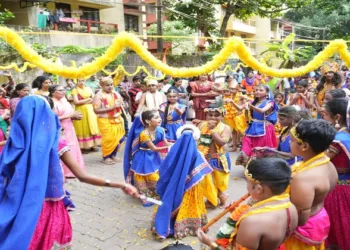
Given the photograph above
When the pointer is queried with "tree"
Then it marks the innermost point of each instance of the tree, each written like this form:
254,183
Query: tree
334,15
5,15
201,13
171,28
288,56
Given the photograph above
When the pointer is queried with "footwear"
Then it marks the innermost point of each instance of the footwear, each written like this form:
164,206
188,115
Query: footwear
108,161
85,151
94,149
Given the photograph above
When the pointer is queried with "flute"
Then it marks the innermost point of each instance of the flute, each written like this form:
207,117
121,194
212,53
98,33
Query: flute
229,209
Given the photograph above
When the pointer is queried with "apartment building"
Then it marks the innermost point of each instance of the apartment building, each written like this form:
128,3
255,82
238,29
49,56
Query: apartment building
84,16
259,30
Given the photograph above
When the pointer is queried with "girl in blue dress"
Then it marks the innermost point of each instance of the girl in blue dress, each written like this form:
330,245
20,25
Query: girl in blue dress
173,113
287,117
261,131
146,159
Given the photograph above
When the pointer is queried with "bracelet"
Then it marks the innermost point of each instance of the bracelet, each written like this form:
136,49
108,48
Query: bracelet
107,183
214,246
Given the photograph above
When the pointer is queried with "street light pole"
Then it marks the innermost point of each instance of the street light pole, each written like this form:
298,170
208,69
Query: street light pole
159,27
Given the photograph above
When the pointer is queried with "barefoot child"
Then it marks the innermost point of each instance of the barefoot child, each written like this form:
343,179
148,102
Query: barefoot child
146,159
214,136
267,223
313,179
107,106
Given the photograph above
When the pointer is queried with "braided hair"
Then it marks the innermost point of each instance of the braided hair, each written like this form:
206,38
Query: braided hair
166,111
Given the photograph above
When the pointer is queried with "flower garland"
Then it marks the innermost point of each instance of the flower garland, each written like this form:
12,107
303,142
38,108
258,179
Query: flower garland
123,40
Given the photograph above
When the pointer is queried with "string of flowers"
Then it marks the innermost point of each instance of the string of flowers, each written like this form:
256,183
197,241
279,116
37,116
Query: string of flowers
124,39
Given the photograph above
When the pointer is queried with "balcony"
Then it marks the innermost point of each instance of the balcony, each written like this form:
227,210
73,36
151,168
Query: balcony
152,18
109,3
86,26
248,26
152,45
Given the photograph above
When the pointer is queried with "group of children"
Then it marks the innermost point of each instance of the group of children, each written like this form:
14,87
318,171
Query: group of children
292,175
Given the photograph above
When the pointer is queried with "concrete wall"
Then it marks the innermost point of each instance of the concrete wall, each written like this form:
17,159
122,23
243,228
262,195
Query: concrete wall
114,15
21,14
263,31
130,62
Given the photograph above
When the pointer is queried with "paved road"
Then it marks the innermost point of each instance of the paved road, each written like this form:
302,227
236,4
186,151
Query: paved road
107,219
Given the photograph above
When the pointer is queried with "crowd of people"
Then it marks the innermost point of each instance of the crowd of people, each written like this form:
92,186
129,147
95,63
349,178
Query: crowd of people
292,136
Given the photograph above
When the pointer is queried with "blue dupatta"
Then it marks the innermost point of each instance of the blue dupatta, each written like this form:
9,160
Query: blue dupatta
30,171
132,145
183,168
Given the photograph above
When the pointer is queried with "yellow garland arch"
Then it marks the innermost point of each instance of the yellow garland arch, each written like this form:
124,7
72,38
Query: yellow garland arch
123,40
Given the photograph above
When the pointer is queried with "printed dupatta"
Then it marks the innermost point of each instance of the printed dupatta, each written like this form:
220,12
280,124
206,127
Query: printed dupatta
114,115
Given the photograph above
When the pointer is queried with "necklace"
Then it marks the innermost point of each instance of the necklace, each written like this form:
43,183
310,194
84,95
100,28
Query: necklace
170,111
152,134
316,161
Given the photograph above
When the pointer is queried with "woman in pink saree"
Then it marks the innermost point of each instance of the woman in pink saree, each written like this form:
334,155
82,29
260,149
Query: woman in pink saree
66,113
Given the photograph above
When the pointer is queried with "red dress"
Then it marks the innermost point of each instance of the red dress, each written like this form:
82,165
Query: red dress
199,103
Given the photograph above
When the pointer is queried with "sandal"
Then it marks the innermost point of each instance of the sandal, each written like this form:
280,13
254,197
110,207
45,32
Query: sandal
94,149
108,161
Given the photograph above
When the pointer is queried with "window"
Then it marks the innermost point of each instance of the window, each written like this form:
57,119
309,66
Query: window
90,14
151,9
131,23
66,9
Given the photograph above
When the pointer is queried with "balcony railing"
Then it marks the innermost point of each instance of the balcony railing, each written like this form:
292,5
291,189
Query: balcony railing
86,26
249,22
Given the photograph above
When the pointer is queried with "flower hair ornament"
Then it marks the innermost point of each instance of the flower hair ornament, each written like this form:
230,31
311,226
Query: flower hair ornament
188,128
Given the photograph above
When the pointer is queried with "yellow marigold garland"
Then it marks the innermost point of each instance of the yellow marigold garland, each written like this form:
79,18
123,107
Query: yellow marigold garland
123,40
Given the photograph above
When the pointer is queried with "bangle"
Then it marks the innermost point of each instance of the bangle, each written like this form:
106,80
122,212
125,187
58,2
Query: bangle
107,183
214,246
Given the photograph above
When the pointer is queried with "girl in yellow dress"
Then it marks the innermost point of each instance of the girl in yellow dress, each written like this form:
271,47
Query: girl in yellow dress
86,129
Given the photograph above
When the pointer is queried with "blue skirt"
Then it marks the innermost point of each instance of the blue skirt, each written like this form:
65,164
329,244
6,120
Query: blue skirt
145,162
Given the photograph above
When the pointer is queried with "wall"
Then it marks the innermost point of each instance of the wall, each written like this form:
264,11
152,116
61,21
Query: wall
21,14
130,62
114,15
263,31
